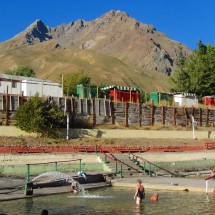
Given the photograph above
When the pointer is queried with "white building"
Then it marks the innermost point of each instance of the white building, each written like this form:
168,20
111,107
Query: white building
185,99
28,86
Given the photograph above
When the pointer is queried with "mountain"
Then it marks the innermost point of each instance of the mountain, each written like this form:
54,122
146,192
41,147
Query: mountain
113,49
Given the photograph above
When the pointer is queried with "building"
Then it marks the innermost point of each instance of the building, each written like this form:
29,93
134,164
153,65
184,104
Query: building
185,99
158,97
122,94
209,100
86,91
28,86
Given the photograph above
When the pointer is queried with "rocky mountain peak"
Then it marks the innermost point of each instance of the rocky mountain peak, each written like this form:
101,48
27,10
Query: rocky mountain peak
34,33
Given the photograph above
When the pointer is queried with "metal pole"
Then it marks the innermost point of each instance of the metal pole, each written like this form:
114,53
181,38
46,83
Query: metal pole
27,173
80,166
144,166
150,170
96,149
206,186
121,170
55,166
193,125
116,168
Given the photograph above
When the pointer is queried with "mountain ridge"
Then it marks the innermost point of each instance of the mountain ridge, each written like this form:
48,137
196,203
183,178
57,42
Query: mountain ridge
115,34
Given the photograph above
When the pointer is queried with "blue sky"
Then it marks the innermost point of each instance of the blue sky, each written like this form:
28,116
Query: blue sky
186,21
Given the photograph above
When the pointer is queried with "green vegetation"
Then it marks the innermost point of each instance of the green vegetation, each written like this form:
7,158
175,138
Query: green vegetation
44,118
195,74
21,71
71,81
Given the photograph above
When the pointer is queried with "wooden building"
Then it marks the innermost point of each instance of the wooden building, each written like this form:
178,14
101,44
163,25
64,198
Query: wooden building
29,86
122,94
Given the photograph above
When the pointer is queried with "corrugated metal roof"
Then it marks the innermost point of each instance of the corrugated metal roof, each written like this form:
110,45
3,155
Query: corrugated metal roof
119,88
185,94
22,78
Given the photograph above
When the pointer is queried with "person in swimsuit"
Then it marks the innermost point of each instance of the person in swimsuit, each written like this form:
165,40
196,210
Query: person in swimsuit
140,192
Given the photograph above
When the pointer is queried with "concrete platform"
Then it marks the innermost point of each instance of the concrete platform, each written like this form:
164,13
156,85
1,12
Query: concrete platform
167,183
48,191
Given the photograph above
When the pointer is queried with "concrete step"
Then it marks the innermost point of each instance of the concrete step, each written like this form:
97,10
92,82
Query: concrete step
128,168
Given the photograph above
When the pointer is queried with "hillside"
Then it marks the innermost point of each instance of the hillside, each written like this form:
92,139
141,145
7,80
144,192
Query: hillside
113,49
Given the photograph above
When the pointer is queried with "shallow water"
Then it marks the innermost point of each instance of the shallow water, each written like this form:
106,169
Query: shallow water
115,201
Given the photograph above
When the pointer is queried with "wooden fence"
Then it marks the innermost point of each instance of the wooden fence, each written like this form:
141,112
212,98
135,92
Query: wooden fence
102,111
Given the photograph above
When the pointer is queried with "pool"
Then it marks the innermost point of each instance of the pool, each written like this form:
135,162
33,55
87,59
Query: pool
113,201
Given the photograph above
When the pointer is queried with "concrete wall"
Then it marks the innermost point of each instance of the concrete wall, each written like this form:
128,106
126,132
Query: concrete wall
115,133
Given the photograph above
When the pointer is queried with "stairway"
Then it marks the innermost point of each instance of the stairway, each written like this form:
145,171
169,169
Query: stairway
129,168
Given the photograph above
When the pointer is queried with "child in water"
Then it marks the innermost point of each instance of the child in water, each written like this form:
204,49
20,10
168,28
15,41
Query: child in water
140,192
74,187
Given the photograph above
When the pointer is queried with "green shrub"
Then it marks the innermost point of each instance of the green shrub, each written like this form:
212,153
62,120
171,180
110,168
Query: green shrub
41,117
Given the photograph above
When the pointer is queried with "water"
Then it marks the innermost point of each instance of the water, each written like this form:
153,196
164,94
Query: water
114,201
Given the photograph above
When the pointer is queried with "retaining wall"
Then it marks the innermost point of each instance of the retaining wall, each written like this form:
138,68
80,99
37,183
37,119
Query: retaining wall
90,112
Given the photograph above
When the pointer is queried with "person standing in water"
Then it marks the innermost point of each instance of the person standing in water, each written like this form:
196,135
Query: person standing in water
140,192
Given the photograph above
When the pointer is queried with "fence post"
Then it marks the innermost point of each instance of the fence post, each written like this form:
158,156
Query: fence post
185,112
93,112
6,108
200,117
55,166
96,149
174,116
152,114
163,116
126,114
139,112
207,116
112,112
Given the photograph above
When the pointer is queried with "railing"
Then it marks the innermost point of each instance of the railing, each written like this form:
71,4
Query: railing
150,165
115,161
55,169
206,182
210,145
97,148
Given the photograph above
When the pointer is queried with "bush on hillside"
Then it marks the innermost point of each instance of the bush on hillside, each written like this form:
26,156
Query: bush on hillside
21,71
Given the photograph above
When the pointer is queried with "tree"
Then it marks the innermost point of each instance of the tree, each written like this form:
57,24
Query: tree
71,81
39,116
180,80
196,74
21,71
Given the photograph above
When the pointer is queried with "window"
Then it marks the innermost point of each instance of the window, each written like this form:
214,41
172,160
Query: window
14,84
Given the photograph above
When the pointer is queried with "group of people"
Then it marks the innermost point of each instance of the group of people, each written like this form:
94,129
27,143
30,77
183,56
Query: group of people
140,191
